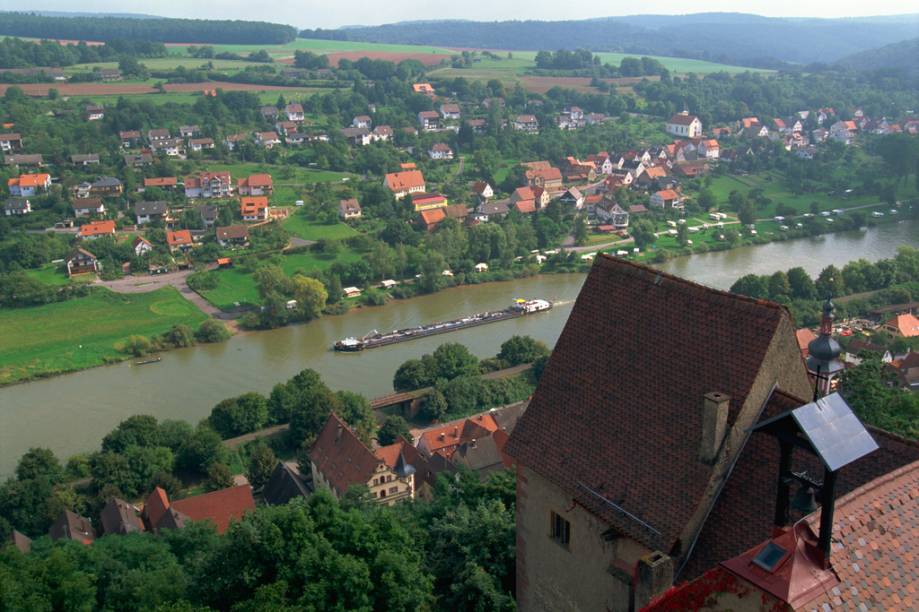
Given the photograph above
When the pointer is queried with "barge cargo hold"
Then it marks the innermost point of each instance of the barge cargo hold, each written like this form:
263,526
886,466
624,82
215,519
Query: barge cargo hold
375,339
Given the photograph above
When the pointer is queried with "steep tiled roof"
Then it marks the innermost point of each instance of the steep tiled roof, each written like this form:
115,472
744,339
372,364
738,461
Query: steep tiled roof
99,228
284,485
120,517
341,457
906,325
401,181
219,507
876,533
155,506
70,526
634,439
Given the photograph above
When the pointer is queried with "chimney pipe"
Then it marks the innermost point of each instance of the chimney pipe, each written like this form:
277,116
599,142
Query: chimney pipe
714,425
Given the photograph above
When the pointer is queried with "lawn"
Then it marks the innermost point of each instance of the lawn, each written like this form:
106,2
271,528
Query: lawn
235,286
774,188
289,181
298,225
84,332
49,275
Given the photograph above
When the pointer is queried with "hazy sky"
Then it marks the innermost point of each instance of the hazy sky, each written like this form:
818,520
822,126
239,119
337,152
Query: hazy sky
333,13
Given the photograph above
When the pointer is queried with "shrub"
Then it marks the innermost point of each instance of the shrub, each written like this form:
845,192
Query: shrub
212,331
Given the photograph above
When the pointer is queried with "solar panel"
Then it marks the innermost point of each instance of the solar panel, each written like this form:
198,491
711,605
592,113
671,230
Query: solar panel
834,431
770,555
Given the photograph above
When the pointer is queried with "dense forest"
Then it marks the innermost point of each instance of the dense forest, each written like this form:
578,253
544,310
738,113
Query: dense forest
729,38
18,53
155,30
899,56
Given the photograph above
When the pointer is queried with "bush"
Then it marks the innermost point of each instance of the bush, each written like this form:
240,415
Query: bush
219,477
138,346
522,349
393,427
212,331
179,336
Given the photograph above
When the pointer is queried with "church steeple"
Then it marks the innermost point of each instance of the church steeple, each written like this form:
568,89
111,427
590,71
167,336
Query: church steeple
823,352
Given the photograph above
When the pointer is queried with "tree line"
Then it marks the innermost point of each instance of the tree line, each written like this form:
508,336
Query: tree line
158,29
18,53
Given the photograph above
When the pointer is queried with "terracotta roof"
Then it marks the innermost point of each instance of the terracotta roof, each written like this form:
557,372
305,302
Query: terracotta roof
99,228
161,181
546,174
804,336
422,199
219,507
252,205
432,216
70,526
525,206
906,325
656,172
30,180
457,211
403,181
446,438
524,193
341,458
667,194
178,238
256,180
633,439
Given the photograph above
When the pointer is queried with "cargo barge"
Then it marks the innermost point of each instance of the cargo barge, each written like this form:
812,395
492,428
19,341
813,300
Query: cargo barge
374,339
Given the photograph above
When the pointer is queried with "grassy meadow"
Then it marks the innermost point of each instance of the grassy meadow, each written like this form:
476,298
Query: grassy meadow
84,332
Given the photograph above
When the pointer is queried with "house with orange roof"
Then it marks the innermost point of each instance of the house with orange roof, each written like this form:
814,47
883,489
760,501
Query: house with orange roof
26,185
549,178
220,508
160,182
91,231
709,149
255,185
339,460
445,439
208,185
254,208
423,88
179,240
903,325
432,217
404,183
666,199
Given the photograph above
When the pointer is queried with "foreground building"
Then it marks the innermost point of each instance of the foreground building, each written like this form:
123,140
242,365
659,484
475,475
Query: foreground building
626,484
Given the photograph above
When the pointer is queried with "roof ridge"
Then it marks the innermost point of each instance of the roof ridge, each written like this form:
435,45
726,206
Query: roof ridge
611,259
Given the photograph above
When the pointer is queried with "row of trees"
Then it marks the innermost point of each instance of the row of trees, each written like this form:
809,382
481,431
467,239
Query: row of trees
318,555
210,31
18,53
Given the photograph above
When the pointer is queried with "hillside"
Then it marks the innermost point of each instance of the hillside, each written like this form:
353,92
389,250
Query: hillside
897,56
732,38
154,29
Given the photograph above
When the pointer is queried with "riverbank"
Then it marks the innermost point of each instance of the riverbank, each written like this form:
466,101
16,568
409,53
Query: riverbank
187,383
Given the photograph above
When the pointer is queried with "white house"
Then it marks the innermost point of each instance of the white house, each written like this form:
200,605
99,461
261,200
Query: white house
685,125
362,121
141,246
440,151
709,149
27,185
666,199
450,111
294,112
526,123
17,206
87,207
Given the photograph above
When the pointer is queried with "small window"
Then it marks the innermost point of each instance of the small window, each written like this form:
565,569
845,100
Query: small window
770,556
560,529
393,490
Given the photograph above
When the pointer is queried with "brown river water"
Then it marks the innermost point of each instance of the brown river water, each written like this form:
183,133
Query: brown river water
71,413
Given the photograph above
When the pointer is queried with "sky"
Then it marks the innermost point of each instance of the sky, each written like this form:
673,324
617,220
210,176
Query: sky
332,13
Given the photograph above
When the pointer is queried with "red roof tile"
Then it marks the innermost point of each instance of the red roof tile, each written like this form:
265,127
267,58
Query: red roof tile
341,457
219,507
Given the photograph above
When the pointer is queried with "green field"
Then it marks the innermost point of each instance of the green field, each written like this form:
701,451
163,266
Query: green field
84,332
298,225
234,286
49,275
290,182
775,189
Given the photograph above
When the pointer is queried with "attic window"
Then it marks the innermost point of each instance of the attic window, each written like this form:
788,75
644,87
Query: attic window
769,557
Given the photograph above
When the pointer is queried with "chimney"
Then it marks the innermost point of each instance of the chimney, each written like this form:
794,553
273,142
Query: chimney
714,425
653,576
338,433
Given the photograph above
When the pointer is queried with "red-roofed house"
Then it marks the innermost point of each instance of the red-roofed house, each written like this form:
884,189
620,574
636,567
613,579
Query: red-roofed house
255,185
162,182
549,178
666,199
441,151
179,240
445,439
253,208
26,185
428,201
525,207
339,460
208,185
404,183
709,149
93,230
903,325
431,217
219,507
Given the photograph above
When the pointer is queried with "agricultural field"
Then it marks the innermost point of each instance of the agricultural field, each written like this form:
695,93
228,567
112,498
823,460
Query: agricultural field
236,287
774,188
84,332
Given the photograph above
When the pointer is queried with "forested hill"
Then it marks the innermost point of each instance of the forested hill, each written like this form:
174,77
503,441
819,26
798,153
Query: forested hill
901,56
724,37
152,30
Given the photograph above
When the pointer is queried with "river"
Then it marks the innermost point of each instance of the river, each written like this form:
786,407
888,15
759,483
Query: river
71,413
